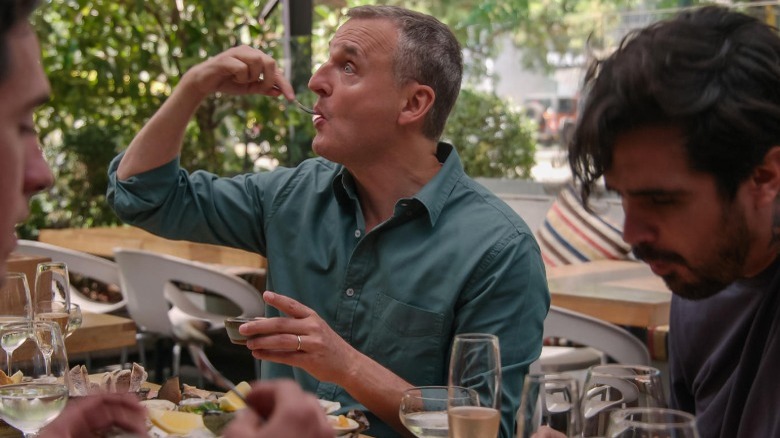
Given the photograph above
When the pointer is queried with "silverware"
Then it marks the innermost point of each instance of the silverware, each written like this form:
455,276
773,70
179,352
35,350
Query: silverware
303,107
297,103
208,370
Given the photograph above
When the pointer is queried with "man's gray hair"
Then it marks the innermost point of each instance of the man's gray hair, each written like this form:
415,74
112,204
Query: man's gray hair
428,53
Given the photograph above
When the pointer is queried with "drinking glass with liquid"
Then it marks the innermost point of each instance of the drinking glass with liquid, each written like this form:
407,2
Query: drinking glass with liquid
40,388
475,364
423,409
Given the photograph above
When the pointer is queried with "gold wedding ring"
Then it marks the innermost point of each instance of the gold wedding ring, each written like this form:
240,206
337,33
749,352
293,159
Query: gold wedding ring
299,343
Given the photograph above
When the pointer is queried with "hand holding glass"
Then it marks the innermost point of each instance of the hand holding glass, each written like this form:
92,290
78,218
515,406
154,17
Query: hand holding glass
476,364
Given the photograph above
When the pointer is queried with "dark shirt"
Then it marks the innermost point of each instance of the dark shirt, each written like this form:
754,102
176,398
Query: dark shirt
724,355
452,259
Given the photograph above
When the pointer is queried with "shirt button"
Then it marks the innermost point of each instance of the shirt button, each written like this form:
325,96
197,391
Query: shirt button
357,233
350,292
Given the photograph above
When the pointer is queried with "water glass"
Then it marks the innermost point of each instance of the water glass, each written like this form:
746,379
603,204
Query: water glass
475,364
39,388
651,423
14,307
423,409
612,387
549,401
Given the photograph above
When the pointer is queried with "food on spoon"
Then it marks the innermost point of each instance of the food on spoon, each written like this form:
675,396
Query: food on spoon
231,402
175,422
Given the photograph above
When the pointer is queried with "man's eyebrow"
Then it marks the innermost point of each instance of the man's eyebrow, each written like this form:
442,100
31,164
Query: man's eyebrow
349,49
657,192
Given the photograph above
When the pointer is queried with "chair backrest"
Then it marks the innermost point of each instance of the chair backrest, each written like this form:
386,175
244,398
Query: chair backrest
615,342
147,279
81,263
532,208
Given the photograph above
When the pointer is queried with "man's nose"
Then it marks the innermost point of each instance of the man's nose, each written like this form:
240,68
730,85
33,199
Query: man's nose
37,174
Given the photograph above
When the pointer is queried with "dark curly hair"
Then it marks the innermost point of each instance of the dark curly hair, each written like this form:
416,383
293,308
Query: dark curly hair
712,72
11,11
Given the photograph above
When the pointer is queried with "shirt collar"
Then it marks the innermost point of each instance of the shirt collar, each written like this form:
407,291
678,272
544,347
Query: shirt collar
433,196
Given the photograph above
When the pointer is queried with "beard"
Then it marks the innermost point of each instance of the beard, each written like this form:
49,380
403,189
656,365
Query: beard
720,266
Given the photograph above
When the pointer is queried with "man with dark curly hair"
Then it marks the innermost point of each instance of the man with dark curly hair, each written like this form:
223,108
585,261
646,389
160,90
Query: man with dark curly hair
683,122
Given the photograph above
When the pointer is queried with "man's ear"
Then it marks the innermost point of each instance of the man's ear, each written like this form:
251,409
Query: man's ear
766,178
418,103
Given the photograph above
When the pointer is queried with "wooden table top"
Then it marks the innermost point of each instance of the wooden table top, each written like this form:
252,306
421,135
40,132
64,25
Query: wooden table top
100,331
621,292
101,241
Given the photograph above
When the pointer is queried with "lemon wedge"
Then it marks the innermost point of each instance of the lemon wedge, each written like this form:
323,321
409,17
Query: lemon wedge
231,402
17,377
175,422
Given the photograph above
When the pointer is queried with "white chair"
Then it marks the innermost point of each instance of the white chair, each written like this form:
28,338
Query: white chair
532,208
81,263
607,338
158,306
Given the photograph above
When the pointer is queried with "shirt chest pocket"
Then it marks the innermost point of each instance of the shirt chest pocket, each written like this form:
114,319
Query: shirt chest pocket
408,340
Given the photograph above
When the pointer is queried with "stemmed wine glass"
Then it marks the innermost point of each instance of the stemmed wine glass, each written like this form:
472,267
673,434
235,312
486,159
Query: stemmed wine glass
651,423
549,401
475,364
612,387
423,409
75,319
43,391
14,307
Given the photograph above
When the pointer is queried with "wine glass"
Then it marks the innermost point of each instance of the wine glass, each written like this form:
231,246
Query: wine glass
52,282
423,409
612,387
549,401
42,391
14,307
651,423
75,319
55,311
475,364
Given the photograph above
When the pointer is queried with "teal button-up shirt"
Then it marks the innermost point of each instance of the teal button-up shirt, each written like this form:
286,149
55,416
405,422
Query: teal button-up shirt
452,259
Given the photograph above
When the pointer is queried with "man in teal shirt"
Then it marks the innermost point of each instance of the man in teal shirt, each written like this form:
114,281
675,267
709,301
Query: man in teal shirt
379,251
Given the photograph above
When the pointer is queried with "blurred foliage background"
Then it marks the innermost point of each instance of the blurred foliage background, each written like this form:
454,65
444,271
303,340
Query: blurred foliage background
112,63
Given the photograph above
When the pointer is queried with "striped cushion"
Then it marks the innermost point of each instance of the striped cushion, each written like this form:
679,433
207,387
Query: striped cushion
570,234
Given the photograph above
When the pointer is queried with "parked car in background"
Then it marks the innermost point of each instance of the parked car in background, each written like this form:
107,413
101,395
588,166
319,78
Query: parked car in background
555,116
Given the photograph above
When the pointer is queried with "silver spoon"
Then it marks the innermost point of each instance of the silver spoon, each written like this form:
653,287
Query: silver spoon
210,372
297,103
